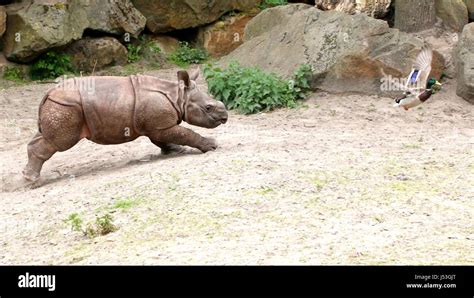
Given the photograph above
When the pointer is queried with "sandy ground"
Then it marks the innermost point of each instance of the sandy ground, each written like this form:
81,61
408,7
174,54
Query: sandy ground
339,180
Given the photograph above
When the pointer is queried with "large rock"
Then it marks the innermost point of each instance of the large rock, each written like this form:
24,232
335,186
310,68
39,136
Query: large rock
34,28
347,53
3,20
222,37
373,8
470,8
96,53
465,64
454,13
115,17
164,16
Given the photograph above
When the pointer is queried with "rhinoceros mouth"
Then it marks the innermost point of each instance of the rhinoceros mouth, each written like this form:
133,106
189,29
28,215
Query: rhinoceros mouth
220,121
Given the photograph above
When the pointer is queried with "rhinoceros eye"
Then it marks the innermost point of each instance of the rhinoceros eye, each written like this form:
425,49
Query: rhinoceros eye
208,108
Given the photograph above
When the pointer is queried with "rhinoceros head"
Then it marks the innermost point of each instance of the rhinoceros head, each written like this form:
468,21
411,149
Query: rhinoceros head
200,108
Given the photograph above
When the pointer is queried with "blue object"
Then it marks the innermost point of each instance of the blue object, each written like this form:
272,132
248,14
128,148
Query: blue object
414,76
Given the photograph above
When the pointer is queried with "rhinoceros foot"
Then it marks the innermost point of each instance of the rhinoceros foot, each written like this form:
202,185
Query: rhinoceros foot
207,144
30,175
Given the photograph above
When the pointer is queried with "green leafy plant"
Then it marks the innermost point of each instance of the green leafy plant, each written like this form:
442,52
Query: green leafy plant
51,65
75,221
300,81
271,3
185,55
250,90
103,225
13,73
134,52
147,50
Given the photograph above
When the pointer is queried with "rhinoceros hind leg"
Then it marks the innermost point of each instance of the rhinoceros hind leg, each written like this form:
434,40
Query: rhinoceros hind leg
60,130
39,151
168,148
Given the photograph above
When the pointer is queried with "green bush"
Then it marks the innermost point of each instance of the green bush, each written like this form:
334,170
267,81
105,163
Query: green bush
134,52
271,3
300,82
250,90
185,55
13,73
50,66
147,49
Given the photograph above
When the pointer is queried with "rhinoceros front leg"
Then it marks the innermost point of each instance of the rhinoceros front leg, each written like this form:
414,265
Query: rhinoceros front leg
182,136
168,148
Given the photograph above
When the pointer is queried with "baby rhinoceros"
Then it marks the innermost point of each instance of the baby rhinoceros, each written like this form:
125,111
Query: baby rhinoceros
115,110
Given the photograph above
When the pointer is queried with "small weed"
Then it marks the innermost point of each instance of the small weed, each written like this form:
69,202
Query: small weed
144,49
411,146
371,108
264,190
103,225
185,55
319,183
134,52
75,221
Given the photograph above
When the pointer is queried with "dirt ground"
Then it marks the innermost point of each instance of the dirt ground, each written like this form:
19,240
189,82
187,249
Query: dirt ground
338,180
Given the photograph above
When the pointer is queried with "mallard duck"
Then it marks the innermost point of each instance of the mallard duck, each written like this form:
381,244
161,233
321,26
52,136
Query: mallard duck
418,88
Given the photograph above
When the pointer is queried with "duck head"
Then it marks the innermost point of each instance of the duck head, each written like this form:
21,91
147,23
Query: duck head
434,85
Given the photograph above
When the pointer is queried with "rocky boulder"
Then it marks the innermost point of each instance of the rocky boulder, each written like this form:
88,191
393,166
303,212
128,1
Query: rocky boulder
373,8
34,28
222,37
465,64
454,13
115,17
470,8
90,54
164,16
347,53
3,20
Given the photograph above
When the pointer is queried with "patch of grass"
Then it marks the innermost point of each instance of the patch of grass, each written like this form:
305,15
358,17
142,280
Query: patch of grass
185,55
250,90
411,146
124,204
14,74
265,190
51,65
75,221
271,3
319,183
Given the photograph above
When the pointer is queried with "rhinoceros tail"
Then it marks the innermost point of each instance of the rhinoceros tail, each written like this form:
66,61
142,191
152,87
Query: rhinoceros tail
39,109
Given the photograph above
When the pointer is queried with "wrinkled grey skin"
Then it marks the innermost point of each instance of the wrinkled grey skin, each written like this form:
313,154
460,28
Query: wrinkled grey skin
137,105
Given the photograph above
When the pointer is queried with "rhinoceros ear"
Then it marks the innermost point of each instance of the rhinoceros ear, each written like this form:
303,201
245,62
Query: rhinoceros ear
194,74
184,76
